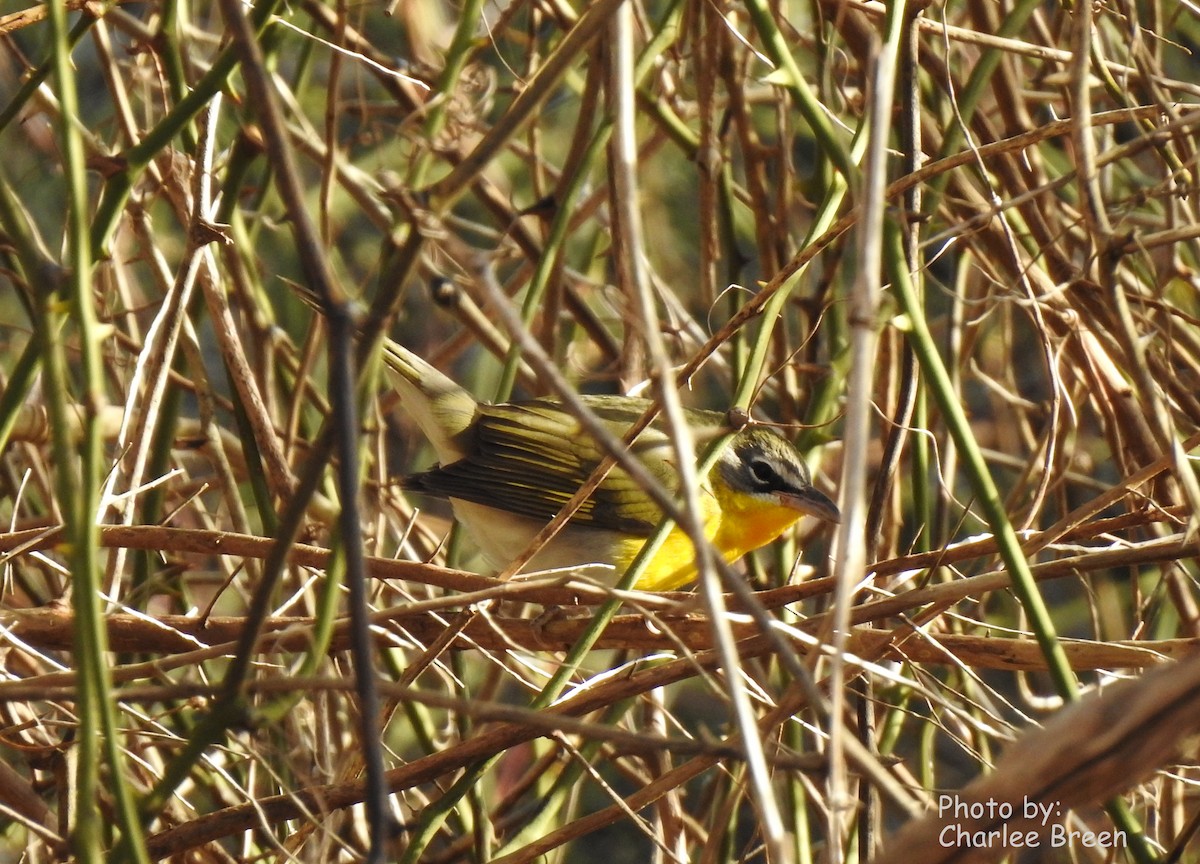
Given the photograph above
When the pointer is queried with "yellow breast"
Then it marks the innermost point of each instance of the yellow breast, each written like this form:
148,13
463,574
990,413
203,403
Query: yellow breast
734,523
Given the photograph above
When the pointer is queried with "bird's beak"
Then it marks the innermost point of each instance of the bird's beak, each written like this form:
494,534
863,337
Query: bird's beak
812,502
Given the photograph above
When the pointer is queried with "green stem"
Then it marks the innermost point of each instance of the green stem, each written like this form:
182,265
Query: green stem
78,478
136,158
986,493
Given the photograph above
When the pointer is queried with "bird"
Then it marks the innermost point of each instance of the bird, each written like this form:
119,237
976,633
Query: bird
507,469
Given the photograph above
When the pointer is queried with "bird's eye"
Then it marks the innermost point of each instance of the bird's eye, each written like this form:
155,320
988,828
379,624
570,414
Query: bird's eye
763,471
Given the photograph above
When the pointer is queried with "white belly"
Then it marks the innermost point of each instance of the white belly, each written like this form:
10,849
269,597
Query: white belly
502,536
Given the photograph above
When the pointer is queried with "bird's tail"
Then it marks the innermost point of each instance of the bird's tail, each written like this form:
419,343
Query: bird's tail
442,408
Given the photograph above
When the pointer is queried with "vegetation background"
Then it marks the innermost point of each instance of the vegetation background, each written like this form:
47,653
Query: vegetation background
950,248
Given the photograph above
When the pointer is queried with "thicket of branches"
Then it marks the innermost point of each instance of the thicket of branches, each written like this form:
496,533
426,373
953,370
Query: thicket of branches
950,250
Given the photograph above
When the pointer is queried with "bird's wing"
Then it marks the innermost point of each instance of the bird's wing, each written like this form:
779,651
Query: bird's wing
529,458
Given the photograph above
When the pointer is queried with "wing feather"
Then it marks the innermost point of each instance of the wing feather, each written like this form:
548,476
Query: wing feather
529,458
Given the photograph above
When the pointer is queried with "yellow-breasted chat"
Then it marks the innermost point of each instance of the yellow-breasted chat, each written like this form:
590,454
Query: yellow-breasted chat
508,469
